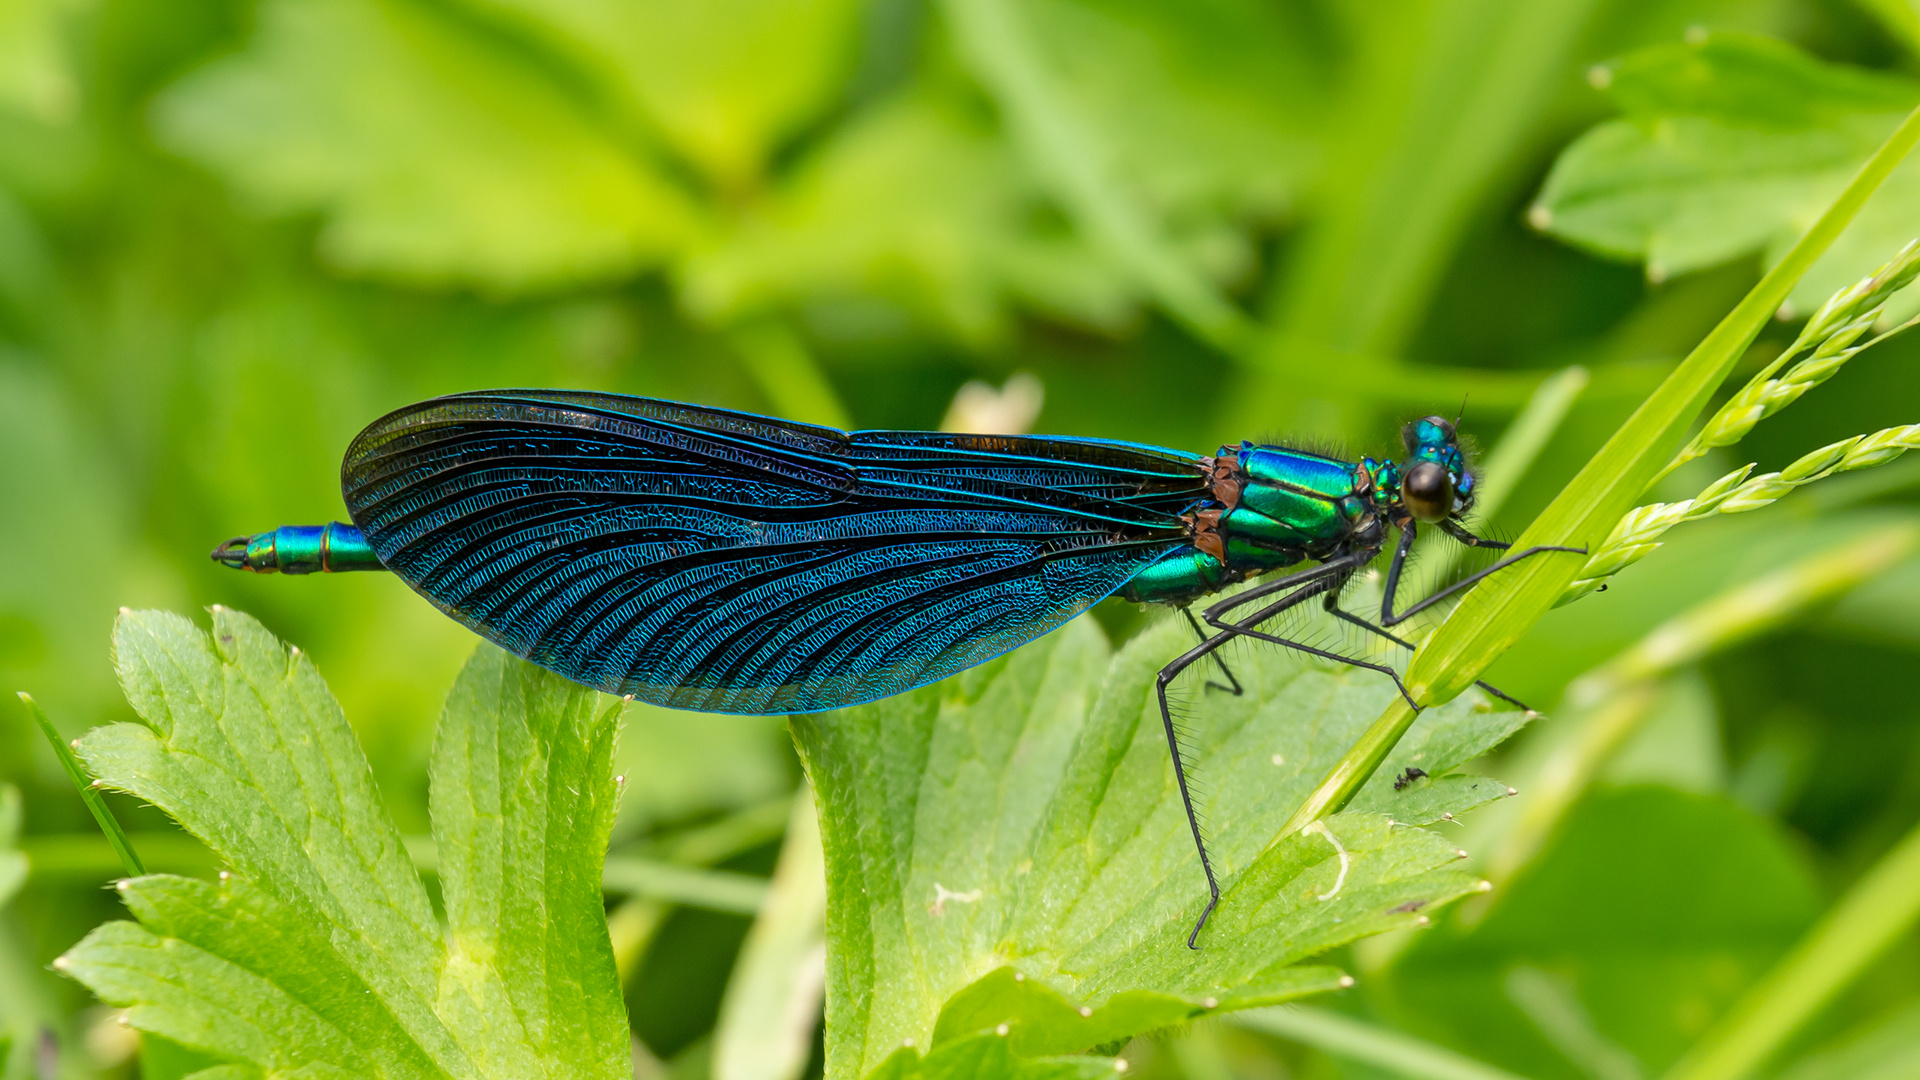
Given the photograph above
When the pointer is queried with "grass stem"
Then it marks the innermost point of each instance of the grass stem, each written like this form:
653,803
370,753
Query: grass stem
116,836
1356,1040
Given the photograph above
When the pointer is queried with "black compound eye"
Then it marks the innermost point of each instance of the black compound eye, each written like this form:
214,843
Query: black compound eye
1427,492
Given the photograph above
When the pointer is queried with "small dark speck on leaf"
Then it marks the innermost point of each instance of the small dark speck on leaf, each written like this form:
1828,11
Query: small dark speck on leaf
1409,906
1413,773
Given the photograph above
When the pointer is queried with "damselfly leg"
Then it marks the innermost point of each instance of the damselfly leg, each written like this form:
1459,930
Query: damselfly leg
1233,684
1387,615
1327,579
1299,585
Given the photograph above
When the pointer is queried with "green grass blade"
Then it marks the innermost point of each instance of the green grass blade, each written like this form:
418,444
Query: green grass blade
1880,909
1343,1036
1495,615
116,836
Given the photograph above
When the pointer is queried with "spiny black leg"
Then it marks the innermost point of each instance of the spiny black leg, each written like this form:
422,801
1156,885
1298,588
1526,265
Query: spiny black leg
1244,629
1161,682
1333,605
1458,532
1165,679
1342,565
1387,616
1233,684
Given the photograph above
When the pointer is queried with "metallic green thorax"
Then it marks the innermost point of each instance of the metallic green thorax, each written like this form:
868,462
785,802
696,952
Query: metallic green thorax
1272,507
300,549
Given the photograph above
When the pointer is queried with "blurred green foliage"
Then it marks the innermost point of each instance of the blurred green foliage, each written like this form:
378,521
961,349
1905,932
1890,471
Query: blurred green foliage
233,232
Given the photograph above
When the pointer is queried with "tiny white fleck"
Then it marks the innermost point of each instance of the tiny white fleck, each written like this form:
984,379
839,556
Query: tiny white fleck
1424,921
1279,759
1346,981
1539,216
1018,977
126,611
1696,35
295,650
906,1042
1119,1064
75,745
225,875
98,784
1211,1003
1085,1011
1001,1030
218,607
123,884
1484,886
1600,76
942,894
1460,852
1513,791
621,779
1656,273
123,1020
61,962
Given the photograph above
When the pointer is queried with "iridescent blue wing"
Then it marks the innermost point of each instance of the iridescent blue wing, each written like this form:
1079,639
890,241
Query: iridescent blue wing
713,560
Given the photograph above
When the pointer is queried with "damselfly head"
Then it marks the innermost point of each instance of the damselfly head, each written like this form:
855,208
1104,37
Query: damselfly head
1434,482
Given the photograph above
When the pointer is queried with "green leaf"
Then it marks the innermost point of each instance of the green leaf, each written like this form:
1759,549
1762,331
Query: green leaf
319,951
435,153
989,1055
916,203
723,80
1731,145
523,804
1008,847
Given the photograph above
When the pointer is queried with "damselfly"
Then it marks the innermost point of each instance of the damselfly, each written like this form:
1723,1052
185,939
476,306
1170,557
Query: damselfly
717,561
